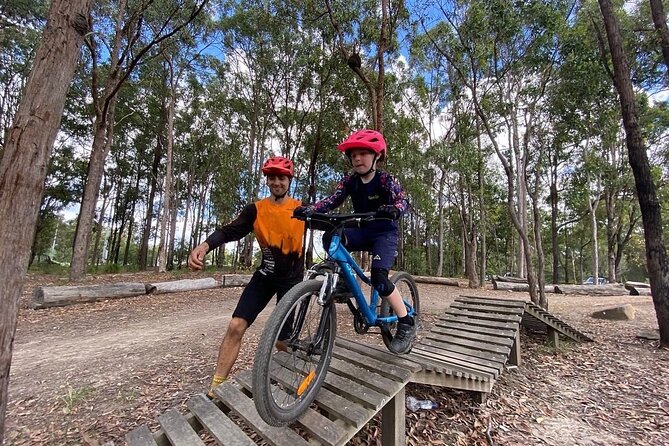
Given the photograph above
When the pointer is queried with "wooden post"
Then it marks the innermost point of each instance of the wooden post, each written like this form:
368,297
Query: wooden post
553,337
393,420
514,355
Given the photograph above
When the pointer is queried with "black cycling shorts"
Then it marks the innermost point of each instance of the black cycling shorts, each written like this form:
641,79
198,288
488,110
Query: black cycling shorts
259,292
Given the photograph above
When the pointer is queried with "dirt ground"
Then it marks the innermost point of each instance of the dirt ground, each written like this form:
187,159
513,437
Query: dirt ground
88,373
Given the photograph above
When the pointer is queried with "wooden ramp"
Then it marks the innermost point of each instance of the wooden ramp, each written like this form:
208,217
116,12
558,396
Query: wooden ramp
467,349
361,382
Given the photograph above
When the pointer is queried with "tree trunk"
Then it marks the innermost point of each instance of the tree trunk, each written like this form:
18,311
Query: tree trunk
610,289
101,146
60,296
656,253
553,198
143,255
592,207
440,210
167,189
23,166
660,22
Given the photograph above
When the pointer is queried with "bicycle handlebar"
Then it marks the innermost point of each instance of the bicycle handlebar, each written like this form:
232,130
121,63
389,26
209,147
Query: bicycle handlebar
340,219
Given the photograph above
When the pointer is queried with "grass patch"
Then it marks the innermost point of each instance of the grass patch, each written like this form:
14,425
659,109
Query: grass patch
74,396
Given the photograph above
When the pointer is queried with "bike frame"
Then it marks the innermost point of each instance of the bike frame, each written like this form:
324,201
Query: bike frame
350,269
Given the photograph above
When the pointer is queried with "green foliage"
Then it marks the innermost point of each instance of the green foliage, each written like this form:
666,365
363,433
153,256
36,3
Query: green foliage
267,77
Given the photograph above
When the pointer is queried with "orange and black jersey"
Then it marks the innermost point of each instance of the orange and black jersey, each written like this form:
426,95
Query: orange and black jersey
279,235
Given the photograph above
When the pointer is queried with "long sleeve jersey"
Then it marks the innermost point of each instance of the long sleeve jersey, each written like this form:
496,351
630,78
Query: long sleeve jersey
382,189
279,235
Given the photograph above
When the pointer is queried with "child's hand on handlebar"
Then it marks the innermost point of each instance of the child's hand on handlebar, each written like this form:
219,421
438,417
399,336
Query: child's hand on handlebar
388,211
303,211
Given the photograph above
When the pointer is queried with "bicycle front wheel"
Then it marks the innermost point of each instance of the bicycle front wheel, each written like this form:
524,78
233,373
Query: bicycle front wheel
293,354
409,292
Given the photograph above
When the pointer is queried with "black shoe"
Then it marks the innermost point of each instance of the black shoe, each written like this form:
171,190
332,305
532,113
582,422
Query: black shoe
403,339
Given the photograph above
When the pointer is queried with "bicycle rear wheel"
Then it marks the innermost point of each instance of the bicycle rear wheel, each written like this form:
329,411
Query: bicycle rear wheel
286,381
409,291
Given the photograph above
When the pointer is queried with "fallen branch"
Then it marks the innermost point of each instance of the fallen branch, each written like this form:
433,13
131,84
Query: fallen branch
176,286
59,296
611,289
436,280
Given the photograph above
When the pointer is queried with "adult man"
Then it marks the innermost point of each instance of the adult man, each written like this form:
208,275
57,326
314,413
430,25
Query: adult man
280,239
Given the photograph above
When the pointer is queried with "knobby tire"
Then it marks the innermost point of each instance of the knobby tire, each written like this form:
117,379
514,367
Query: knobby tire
286,383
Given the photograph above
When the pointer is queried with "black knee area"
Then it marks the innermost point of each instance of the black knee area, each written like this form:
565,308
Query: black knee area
381,283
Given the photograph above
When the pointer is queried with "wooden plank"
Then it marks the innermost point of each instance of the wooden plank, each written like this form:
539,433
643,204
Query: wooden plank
140,436
451,358
465,354
178,430
220,427
243,406
488,308
383,368
345,385
483,315
354,391
474,353
464,319
379,353
451,368
514,303
458,359
365,377
315,424
478,345
393,423
480,337
337,406
455,326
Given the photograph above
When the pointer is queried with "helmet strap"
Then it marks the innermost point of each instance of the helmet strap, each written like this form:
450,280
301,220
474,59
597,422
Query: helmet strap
279,197
373,168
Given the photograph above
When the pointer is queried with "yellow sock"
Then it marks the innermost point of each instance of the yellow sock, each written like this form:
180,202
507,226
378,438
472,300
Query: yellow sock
215,381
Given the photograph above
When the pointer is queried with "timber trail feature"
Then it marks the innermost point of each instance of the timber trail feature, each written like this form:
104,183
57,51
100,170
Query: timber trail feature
500,370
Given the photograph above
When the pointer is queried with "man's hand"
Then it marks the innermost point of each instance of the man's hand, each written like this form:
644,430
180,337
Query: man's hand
388,211
196,258
303,211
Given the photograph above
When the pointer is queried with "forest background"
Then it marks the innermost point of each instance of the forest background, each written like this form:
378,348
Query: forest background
494,111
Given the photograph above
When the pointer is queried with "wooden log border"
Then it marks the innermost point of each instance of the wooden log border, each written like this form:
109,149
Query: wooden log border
60,296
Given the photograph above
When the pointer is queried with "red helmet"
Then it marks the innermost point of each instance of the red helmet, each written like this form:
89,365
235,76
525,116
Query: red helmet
278,165
364,139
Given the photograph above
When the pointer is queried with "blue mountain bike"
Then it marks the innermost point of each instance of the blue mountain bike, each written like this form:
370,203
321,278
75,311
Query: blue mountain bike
295,348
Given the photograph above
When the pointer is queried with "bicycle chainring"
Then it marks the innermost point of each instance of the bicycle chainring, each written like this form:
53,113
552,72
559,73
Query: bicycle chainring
361,327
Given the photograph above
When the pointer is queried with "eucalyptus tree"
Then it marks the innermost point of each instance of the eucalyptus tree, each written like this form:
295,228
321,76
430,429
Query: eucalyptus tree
366,34
180,58
131,39
504,53
656,252
660,22
62,188
427,94
25,158
244,74
21,25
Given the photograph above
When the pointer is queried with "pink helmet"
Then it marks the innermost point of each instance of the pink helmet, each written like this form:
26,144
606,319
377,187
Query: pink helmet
278,165
364,139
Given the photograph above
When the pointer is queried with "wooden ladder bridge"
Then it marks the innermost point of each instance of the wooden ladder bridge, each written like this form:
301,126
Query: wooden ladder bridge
467,349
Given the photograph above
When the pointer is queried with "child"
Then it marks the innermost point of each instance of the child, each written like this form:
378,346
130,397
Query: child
373,190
